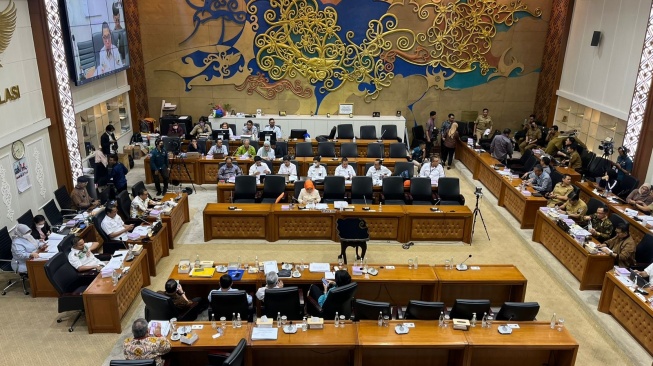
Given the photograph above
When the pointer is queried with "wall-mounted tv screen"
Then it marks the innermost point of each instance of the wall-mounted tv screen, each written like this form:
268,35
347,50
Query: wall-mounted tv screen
97,38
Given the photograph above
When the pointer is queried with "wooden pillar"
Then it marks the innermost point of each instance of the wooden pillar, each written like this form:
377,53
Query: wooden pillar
136,73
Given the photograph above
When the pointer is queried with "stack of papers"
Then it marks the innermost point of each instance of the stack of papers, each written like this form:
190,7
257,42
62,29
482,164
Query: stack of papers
203,272
262,334
270,266
319,267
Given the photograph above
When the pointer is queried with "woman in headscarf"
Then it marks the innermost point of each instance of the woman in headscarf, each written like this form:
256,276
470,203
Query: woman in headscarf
24,247
641,197
449,145
308,194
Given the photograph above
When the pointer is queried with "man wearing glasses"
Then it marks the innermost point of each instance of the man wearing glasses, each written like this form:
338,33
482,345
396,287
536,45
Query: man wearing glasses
109,55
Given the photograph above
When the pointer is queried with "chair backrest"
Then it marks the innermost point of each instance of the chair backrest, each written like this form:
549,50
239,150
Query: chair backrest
334,188
628,183
237,356
389,132
529,164
136,187
518,311
148,362
245,187
424,310
592,205
397,150
586,158
225,303
448,188
644,250
375,150
346,131
124,204
339,300
326,148
66,244
61,273
283,300
304,149
273,186
615,219
158,306
369,310
598,167
420,188
393,187
368,132
527,154
299,184
27,218
368,166
404,166
418,135
63,198
463,309
281,149
52,213
362,187
349,150
556,177
5,250
97,222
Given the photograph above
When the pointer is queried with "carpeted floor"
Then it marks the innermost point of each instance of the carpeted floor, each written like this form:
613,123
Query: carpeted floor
32,336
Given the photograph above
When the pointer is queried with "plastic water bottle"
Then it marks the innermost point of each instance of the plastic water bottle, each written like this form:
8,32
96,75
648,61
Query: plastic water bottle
416,265
301,263
233,320
441,320
238,262
197,261
484,321
553,321
336,320
473,321
279,320
380,321
304,324
239,322
256,263
380,207
354,139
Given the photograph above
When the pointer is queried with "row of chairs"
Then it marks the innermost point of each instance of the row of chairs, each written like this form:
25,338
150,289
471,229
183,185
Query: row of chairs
349,150
346,131
362,190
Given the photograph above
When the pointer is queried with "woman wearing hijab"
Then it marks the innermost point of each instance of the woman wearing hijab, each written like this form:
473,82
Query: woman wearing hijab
641,197
609,181
449,145
24,247
308,194
40,228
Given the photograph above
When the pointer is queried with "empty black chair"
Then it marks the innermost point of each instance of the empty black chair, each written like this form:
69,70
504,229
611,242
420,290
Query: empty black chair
346,131
388,132
283,300
592,205
349,150
226,303
586,158
463,309
421,192
6,258
273,187
148,362
375,150
235,358
627,185
353,232
404,166
110,245
161,307
424,310
326,148
418,135
280,149
397,150
556,177
63,198
245,189
362,190
527,167
124,204
598,167
368,132
369,310
368,166
66,244
449,191
69,285
644,253
304,149
519,163
54,216
339,300
299,184
518,311
334,189
27,218
393,191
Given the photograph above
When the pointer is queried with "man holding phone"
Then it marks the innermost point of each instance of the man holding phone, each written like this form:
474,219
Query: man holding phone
195,306
342,278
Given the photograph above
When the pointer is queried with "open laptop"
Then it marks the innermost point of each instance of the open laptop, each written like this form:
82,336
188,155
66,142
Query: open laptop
218,155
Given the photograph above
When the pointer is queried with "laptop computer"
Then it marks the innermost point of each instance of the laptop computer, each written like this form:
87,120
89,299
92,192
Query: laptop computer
192,155
218,156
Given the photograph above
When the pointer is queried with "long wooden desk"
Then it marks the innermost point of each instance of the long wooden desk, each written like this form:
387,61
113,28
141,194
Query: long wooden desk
628,309
278,222
588,268
157,247
177,217
106,304
523,208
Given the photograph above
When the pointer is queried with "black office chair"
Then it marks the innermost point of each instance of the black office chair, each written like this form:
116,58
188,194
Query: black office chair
404,166
66,244
273,187
615,220
421,192
424,310
518,311
339,300
123,202
517,164
235,358
369,310
586,159
362,190
367,167
245,189
148,362
110,245
280,149
63,198
304,149
69,285
137,187
226,303
27,218
161,307
527,167
6,258
283,300
389,132
598,167
393,191
54,215
418,135
644,253
349,150
346,131
628,184
397,150
334,189
368,132
556,177
592,205
353,232
449,191
299,184
463,309
326,148
375,150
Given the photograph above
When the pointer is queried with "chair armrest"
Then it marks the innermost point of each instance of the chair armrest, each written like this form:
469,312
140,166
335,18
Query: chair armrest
408,198
259,196
380,198
314,304
462,199
183,317
348,197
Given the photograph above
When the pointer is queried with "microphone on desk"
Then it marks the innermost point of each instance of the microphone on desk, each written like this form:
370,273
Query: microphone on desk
231,197
381,137
462,266
142,219
366,207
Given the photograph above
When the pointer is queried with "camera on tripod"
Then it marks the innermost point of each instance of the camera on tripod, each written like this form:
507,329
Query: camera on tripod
607,146
478,192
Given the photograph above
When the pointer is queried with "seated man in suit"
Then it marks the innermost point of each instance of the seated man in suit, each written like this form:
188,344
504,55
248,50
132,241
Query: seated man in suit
113,225
378,172
141,204
144,347
271,281
81,255
182,303
225,285
287,167
80,196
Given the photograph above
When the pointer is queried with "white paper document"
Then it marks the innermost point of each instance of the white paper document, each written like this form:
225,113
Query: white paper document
270,266
330,275
319,267
141,230
261,334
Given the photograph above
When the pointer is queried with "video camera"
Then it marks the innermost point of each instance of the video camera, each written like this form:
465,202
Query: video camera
478,192
607,146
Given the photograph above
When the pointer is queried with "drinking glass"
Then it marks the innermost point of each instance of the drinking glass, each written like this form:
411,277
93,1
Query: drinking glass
341,261
284,320
114,277
223,322
447,264
214,325
173,325
410,263
342,321
386,320
561,324
446,320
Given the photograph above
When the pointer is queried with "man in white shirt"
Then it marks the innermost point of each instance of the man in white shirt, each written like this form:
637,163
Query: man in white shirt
266,152
81,255
113,225
258,168
345,170
141,204
272,127
432,170
225,285
218,148
287,167
317,171
378,172
109,55
250,129
271,281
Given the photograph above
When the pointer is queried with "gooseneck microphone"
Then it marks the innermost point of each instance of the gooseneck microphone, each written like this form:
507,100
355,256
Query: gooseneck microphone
366,207
462,266
381,137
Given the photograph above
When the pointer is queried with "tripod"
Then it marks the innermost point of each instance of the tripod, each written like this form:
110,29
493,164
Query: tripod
183,163
477,212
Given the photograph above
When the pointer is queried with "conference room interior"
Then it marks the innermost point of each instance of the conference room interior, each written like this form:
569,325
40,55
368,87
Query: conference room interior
604,321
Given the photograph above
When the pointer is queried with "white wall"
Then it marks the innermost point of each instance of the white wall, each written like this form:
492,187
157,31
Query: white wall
603,77
23,119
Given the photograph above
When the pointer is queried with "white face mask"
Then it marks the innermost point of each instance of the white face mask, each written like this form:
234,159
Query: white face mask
40,226
316,164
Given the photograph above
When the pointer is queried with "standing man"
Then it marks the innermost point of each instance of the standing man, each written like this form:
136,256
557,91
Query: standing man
108,141
501,147
117,173
229,170
445,127
482,123
272,127
430,131
116,17
79,195
109,55
624,164
621,247
160,167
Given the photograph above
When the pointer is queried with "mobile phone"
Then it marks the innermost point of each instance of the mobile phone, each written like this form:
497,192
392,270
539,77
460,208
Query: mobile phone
325,282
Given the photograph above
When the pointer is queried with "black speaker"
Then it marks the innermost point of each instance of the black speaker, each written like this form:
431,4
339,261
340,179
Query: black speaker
596,38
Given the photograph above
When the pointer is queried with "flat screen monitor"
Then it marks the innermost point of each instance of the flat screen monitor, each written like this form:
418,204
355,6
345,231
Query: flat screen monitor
518,311
463,309
298,133
268,136
96,37
172,144
221,135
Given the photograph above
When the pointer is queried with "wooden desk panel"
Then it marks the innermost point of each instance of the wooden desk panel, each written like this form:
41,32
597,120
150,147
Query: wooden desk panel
489,177
250,222
386,225
521,207
196,354
303,225
468,157
157,247
177,170
453,223
105,304
588,268
630,311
